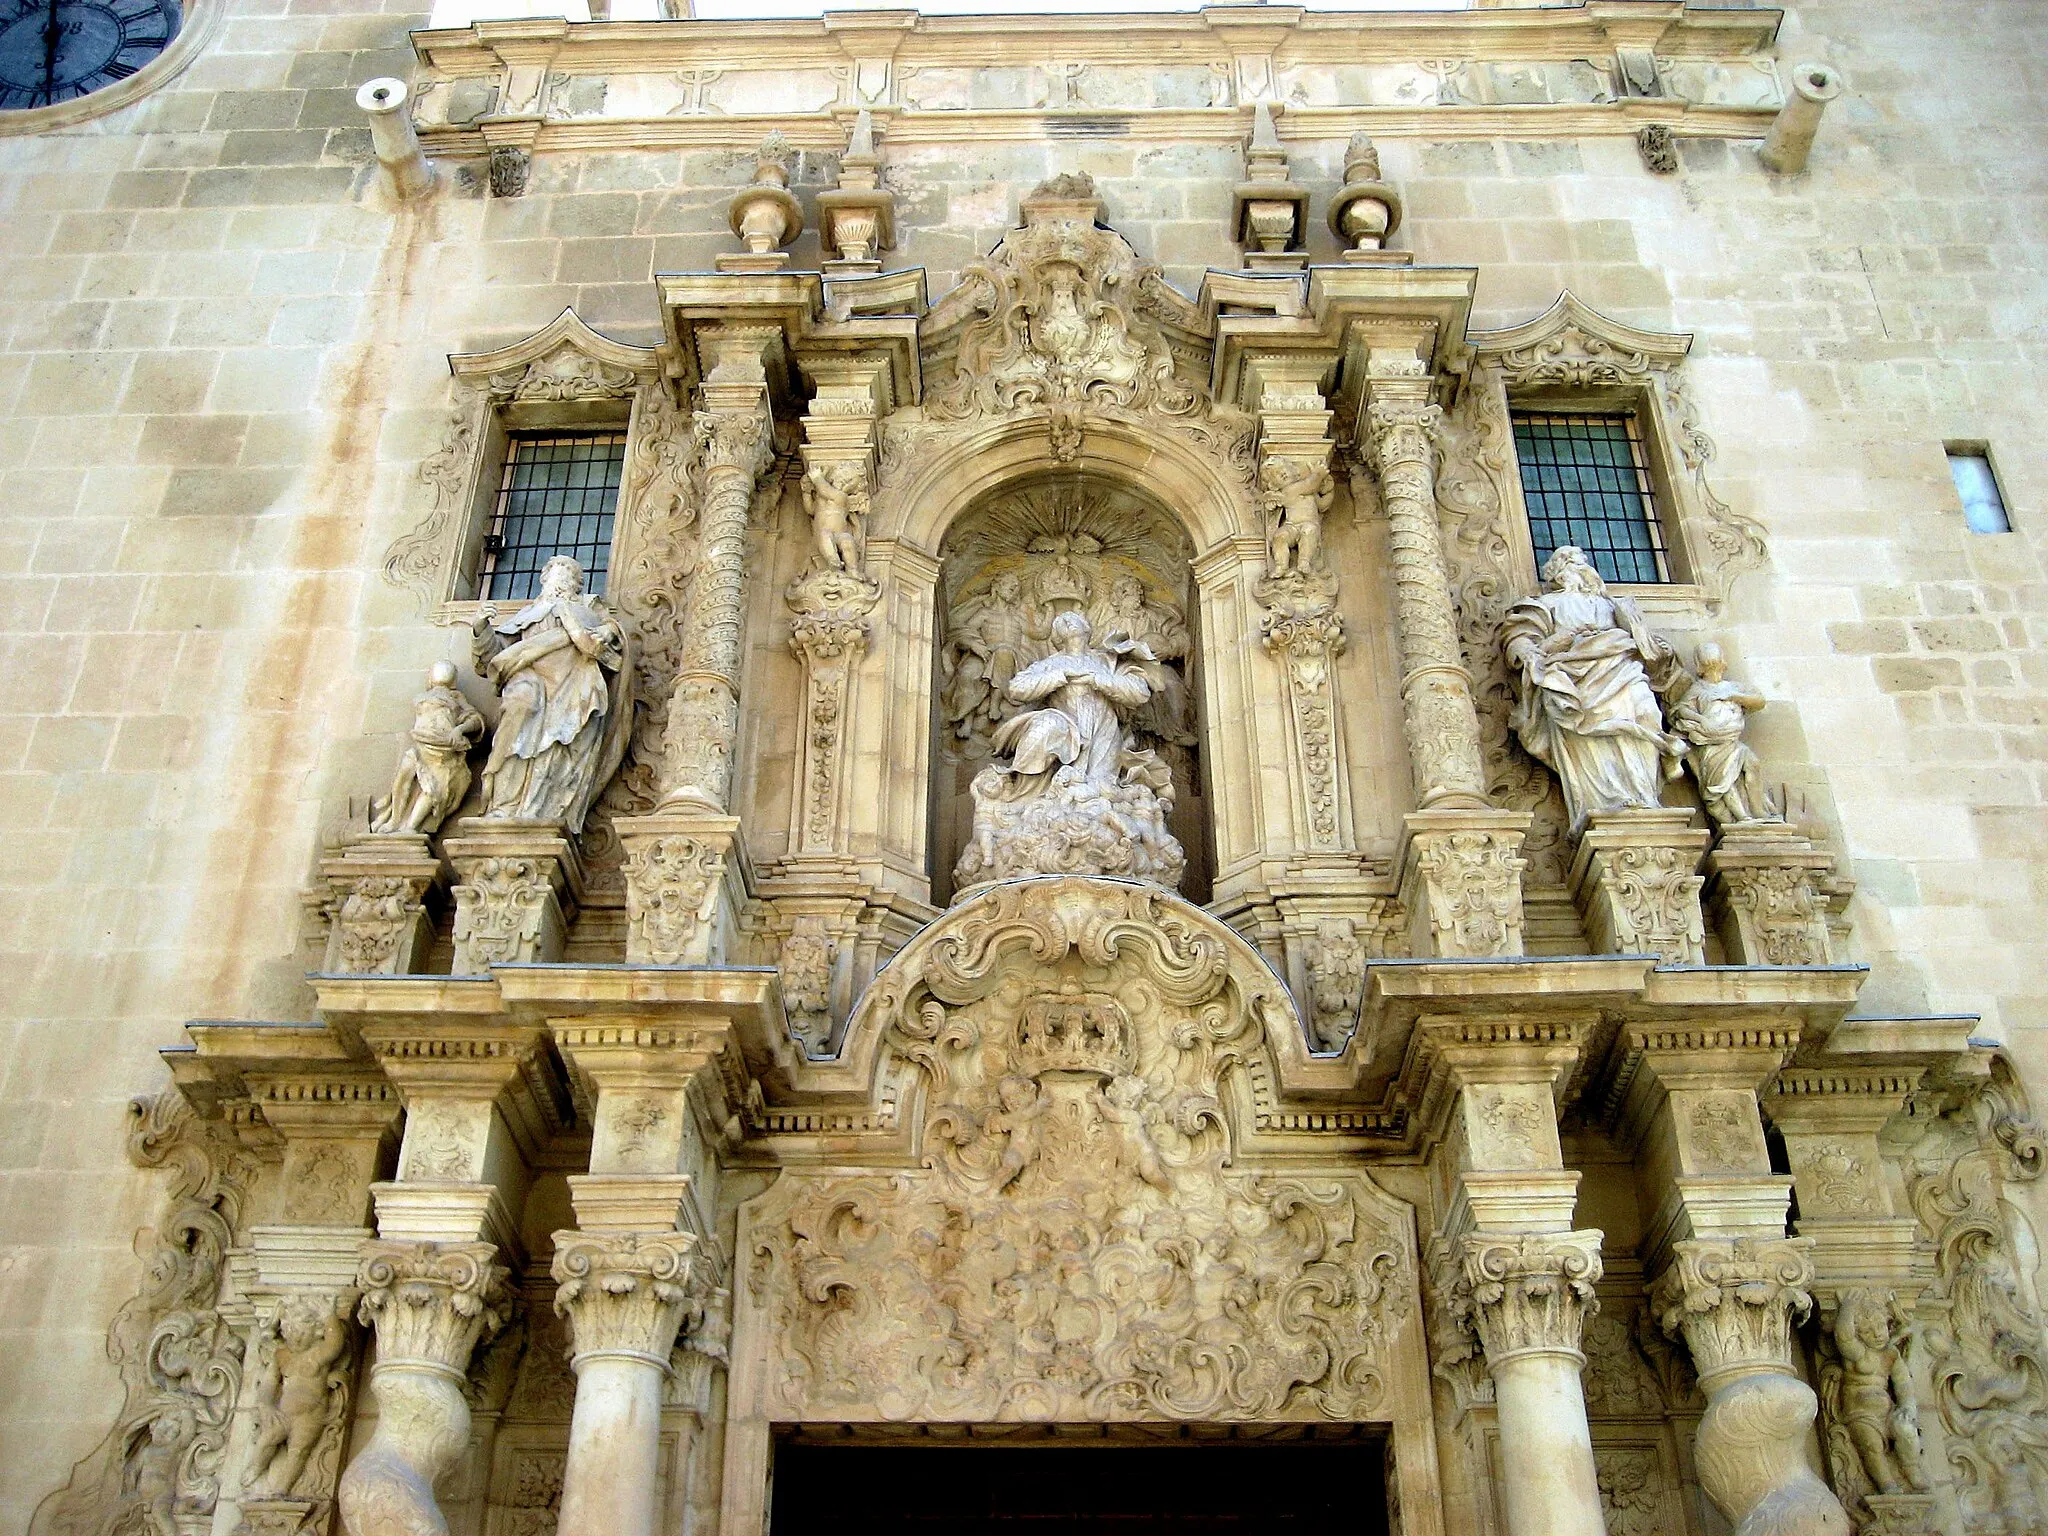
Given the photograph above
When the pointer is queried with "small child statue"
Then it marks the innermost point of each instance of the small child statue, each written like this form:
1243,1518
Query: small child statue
433,775
1711,716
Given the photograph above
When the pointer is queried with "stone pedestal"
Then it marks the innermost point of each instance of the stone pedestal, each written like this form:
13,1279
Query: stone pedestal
378,923
684,886
1635,882
1461,881
518,882
1763,889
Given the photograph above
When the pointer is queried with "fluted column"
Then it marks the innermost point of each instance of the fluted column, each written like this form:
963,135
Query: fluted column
430,1304
1461,864
738,438
1527,1296
624,1295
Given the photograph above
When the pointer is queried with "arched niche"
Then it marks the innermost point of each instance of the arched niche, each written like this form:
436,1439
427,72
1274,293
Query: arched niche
1064,540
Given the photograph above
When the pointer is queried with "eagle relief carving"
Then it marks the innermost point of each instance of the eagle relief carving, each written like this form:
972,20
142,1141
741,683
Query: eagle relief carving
1086,1238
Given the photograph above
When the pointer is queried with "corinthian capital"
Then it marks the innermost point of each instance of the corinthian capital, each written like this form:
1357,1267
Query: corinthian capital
1527,1293
1735,1300
431,1302
1401,430
736,440
623,1293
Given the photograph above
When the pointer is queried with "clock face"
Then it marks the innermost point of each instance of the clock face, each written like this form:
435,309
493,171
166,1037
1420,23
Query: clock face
54,50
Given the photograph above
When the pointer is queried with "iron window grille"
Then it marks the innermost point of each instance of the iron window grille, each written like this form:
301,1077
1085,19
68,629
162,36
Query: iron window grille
558,495
1586,481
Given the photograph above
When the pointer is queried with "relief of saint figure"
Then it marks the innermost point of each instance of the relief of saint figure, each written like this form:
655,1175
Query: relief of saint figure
1585,704
564,674
1074,797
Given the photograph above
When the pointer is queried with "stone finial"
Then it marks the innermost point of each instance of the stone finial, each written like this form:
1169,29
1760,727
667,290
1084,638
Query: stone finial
1271,213
1366,210
763,213
857,219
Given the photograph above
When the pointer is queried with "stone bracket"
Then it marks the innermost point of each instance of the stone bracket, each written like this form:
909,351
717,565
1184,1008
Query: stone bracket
1634,881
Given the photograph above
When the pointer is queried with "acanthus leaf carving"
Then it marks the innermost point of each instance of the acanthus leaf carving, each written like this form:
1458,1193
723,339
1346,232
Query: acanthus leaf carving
623,1293
159,1467
1077,1244
1526,1293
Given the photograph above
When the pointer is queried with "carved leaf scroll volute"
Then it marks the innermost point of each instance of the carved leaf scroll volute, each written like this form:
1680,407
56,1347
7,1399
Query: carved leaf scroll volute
1079,1244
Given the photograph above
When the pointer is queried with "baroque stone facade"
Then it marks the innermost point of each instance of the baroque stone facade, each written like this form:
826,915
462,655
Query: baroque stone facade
1081,858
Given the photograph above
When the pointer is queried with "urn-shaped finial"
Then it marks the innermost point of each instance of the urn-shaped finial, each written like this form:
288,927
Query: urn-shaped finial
1365,210
763,213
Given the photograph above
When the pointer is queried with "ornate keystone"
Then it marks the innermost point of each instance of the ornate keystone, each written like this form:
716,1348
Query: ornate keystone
430,1303
623,1294
1527,1293
1734,1301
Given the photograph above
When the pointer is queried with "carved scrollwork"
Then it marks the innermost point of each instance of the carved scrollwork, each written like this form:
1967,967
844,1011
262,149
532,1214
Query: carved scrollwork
417,558
1526,1293
159,1467
1077,1244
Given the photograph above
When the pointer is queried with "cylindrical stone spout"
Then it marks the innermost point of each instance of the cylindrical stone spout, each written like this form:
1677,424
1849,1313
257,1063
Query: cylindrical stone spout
1791,137
399,154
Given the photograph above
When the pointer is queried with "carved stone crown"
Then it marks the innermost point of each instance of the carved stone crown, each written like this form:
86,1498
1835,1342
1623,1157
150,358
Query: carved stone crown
1075,1031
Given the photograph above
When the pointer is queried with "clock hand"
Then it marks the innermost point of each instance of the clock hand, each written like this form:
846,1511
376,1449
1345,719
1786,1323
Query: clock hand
51,32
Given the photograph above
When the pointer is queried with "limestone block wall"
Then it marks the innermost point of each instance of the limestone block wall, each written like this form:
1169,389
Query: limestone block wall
224,364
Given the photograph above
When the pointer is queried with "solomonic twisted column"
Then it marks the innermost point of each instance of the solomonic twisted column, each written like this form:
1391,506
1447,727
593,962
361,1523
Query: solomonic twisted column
704,713
1436,691
624,1295
1527,1296
430,1304
1734,1300
1461,866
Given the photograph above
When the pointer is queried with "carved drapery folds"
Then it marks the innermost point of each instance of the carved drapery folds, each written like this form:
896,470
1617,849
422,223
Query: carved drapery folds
430,1304
1077,1246
1010,570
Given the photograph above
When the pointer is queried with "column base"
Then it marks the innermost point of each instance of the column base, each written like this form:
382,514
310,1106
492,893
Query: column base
1634,881
1461,881
684,886
1763,886
377,888
519,882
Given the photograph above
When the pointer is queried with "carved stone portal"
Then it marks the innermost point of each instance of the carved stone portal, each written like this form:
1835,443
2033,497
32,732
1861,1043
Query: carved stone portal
1085,1240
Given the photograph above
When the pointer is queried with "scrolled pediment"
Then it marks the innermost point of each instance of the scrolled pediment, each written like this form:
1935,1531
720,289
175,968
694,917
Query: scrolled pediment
1573,344
565,361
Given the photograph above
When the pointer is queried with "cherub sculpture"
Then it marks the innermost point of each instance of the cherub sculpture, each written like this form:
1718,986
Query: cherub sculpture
1711,715
433,772
835,512
1297,494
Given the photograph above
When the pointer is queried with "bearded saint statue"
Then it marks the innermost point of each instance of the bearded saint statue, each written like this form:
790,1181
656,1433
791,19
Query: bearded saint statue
1585,704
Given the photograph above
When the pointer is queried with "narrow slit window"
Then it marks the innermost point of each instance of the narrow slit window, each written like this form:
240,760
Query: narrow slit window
558,496
1983,505
1586,481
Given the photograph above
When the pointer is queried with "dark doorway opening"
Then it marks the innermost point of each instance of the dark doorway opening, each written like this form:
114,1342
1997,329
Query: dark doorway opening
1032,1488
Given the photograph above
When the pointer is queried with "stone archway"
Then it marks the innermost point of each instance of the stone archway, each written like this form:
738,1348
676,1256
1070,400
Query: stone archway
1084,1224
